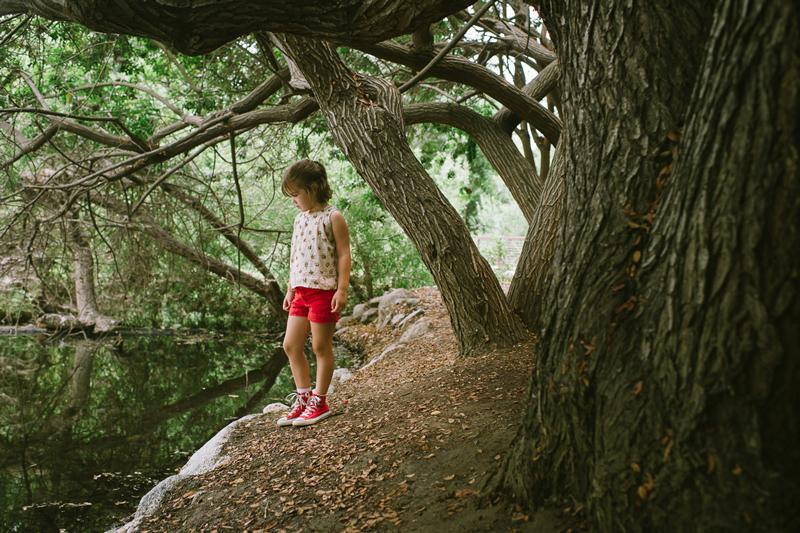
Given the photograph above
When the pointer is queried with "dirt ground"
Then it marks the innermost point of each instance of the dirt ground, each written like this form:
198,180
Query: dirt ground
413,439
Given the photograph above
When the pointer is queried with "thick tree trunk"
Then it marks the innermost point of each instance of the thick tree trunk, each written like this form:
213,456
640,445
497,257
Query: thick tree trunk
664,396
199,27
534,268
365,118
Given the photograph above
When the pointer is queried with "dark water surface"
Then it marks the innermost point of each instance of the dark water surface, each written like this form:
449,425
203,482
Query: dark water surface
88,427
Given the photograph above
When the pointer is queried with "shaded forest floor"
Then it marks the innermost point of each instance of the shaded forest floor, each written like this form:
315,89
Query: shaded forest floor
412,442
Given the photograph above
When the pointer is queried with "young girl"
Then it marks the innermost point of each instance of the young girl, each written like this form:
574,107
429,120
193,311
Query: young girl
318,281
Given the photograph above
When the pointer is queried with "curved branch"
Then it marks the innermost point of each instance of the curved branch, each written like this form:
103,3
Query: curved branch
460,70
25,146
536,89
200,27
515,171
141,221
518,40
186,117
443,52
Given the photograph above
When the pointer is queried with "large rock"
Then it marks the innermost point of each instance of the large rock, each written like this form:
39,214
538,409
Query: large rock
203,460
346,321
369,315
386,351
358,311
389,302
409,318
420,328
276,407
340,375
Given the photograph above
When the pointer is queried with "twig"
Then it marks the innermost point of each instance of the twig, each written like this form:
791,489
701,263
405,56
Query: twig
10,34
443,52
164,176
241,208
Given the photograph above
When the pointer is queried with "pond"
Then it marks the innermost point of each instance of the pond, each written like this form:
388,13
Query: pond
87,427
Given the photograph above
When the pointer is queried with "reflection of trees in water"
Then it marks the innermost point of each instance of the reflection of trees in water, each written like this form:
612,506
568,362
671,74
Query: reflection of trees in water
69,411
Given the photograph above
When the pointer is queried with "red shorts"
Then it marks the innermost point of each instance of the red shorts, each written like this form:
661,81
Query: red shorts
314,304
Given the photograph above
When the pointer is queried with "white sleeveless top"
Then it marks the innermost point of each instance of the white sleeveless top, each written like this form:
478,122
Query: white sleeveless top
313,256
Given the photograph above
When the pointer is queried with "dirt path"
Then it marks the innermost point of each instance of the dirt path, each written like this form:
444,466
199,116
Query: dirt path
414,438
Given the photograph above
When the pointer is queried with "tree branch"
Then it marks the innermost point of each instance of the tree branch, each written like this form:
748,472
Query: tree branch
200,27
460,70
515,171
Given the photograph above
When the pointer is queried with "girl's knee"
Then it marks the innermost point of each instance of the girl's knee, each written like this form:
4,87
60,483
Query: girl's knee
291,348
322,348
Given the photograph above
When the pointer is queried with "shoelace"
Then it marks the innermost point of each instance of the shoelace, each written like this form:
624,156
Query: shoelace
293,398
313,402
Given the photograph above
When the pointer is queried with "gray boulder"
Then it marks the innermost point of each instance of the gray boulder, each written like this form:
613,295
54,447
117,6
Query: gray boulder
418,329
276,407
340,375
389,303
358,311
369,315
386,351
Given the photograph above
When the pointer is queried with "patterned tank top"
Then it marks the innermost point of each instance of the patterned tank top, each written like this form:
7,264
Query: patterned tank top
313,259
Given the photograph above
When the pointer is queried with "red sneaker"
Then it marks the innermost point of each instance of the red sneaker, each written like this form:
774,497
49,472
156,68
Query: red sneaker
299,405
316,410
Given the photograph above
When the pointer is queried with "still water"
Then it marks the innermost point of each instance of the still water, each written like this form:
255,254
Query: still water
89,426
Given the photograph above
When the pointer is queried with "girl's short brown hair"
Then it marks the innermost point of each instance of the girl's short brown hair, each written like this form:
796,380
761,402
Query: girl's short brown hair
309,175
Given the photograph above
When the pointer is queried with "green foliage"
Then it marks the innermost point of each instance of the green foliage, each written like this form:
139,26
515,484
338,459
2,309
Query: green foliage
89,74
16,305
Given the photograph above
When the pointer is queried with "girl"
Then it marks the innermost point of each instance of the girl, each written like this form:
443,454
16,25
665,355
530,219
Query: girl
318,281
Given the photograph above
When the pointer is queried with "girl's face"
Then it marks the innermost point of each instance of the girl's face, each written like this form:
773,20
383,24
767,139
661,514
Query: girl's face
302,199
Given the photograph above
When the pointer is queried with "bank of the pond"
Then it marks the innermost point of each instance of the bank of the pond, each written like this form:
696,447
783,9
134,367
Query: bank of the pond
89,426
414,437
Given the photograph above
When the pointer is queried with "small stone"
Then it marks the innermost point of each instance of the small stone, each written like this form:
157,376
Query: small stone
274,408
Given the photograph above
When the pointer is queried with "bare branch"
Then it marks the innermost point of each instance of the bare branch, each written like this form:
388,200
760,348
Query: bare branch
536,89
443,52
186,117
460,70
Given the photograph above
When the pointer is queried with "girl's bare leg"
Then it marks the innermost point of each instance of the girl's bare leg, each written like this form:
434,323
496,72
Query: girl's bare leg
297,328
322,343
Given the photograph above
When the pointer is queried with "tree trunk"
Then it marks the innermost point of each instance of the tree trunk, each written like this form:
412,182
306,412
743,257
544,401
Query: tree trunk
365,119
534,268
83,275
664,396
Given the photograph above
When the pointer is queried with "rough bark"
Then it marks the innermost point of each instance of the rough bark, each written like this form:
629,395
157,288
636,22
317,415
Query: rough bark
534,268
537,88
512,167
460,70
200,27
364,116
664,392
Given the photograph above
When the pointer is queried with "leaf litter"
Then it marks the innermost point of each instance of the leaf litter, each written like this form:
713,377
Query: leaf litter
418,436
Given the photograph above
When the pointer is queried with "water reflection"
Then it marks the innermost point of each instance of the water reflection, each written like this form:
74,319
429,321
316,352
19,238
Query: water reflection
88,426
